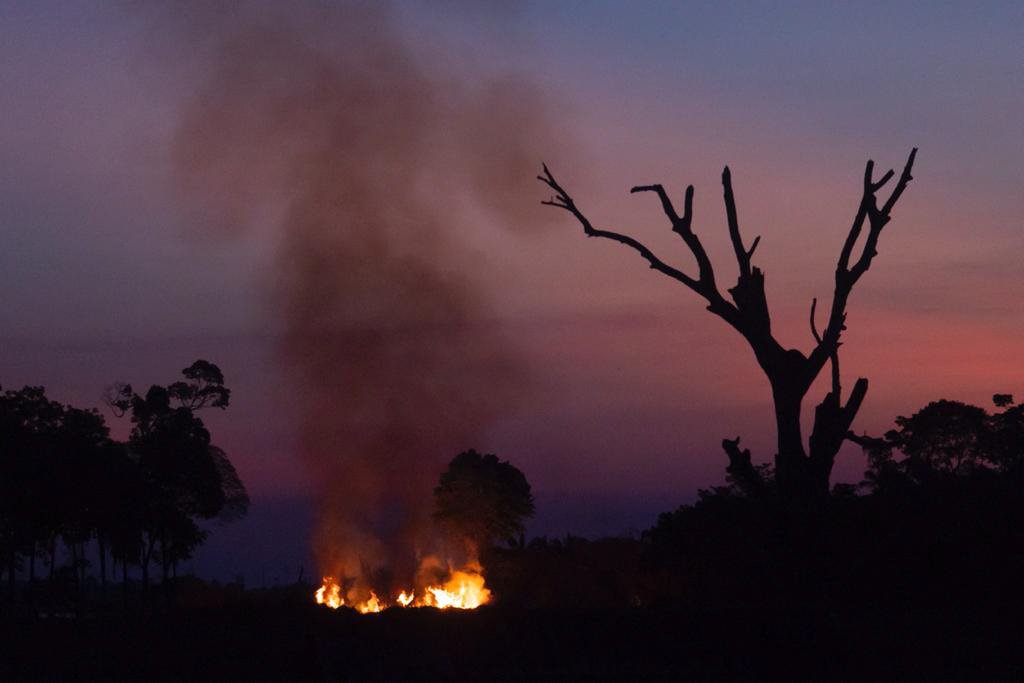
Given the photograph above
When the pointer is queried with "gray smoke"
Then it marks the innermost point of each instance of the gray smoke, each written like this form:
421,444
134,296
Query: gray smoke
374,165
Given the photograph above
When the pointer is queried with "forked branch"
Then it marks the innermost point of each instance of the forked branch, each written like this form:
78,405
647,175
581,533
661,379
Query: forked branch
683,228
704,284
847,275
743,255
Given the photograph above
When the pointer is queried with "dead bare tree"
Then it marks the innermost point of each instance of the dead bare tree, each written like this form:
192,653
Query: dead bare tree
800,472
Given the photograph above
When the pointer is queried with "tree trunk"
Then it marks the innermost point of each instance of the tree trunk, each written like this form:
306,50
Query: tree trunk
124,582
103,562
792,468
144,563
74,563
163,559
12,578
81,562
165,584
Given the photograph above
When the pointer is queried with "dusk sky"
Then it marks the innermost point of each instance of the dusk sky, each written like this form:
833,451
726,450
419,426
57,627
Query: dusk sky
108,274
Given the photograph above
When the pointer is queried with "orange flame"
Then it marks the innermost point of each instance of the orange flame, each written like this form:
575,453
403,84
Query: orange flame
465,589
372,604
329,594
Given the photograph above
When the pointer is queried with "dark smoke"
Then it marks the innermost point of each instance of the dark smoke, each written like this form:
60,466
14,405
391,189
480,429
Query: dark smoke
377,168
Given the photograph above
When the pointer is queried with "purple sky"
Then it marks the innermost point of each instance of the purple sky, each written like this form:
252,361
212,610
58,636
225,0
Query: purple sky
102,280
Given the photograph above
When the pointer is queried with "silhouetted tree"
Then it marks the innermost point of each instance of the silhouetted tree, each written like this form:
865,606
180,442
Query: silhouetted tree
1006,448
800,472
184,477
62,478
946,438
204,388
30,509
482,499
83,441
121,504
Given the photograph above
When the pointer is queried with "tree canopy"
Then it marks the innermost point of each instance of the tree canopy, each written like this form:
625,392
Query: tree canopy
62,476
482,499
947,439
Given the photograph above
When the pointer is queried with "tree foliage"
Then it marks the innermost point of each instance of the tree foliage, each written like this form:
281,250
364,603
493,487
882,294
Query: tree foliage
483,499
186,478
63,478
947,439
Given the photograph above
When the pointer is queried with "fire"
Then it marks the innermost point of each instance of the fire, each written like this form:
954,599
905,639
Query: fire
372,604
465,589
329,594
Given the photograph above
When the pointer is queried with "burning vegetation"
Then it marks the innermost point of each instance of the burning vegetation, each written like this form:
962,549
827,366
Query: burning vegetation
479,501
464,589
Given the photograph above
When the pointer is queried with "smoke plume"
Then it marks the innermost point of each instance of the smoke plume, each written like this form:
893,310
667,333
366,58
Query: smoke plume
377,167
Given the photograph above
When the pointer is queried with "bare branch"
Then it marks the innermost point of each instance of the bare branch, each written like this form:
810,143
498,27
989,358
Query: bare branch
879,218
666,203
860,390
866,442
846,275
704,284
852,236
562,200
742,255
682,227
814,327
750,252
875,187
901,185
747,313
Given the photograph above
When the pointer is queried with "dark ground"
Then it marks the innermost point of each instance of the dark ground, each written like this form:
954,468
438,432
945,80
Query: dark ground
263,641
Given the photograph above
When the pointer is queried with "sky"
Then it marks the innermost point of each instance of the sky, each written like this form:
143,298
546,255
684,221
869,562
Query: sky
104,276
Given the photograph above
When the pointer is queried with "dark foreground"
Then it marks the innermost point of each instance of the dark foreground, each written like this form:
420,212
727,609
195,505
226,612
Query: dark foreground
297,642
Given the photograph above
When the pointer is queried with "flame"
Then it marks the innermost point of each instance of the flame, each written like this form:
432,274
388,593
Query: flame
372,604
329,594
465,589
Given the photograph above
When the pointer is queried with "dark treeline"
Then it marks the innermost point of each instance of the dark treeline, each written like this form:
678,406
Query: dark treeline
938,520
65,484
